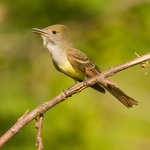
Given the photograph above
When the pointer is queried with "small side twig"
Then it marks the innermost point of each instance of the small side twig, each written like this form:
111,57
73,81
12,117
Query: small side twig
38,126
143,64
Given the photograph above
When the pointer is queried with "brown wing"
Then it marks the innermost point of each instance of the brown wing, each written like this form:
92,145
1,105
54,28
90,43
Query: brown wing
80,61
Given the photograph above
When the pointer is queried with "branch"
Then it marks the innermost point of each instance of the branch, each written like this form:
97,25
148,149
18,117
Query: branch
41,109
39,125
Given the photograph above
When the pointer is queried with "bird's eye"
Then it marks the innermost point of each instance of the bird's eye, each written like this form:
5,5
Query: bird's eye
54,32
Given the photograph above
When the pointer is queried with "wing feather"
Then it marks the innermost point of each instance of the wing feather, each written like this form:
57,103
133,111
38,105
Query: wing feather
81,61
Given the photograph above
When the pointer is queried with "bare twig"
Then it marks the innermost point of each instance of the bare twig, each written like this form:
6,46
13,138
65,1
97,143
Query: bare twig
39,125
144,65
41,109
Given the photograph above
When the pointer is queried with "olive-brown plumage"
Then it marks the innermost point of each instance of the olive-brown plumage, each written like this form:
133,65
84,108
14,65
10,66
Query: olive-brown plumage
75,63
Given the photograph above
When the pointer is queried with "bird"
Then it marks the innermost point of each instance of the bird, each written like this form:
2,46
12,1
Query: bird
75,63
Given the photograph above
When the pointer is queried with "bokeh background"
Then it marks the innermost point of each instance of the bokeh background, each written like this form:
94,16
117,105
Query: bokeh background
110,32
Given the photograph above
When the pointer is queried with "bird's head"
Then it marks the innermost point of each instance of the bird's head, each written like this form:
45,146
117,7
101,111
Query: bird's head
53,35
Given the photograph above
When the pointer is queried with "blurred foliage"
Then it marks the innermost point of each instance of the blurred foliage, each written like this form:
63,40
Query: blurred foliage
109,31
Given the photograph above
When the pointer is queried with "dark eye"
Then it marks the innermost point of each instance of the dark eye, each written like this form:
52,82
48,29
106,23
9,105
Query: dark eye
54,32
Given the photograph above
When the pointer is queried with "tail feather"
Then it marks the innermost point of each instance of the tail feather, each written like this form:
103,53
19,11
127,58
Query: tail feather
117,93
121,96
98,88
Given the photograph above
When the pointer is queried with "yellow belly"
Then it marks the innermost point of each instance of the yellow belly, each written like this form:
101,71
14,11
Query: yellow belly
62,63
72,72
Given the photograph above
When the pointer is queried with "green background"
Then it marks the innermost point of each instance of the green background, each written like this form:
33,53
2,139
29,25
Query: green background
109,31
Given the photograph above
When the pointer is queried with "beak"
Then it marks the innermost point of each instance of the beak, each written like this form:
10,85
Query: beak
39,31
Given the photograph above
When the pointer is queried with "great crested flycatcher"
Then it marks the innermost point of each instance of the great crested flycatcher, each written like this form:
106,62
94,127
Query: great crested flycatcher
75,63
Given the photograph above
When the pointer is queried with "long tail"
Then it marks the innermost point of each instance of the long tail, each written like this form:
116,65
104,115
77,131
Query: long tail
112,89
121,96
